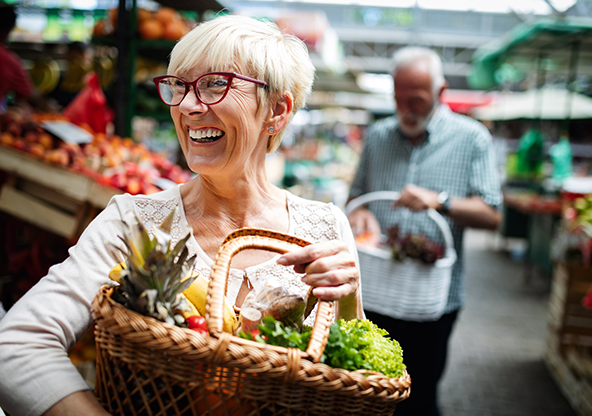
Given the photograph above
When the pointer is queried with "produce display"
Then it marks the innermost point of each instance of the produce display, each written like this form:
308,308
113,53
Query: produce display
164,23
110,160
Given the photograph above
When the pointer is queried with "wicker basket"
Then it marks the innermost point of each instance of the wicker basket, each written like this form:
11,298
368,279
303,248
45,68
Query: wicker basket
146,367
410,289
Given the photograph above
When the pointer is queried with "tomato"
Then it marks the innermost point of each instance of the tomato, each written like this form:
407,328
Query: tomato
255,333
200,331
197,322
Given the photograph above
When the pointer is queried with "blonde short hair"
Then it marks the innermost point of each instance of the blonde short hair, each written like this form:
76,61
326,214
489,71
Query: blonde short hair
259,48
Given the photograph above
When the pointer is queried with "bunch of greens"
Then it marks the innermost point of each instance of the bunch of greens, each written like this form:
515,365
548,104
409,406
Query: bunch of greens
359,344
352,345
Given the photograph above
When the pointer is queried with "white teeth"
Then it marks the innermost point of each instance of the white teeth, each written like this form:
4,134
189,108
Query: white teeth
205,134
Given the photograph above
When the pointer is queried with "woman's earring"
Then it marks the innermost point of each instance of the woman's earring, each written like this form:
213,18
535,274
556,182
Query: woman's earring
270,129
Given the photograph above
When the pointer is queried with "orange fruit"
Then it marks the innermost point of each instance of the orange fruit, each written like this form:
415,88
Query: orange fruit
166,15
174,30
151,29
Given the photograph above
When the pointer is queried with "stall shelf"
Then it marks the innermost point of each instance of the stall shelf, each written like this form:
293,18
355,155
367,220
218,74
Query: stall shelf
129,46
532,216
568,354
50,197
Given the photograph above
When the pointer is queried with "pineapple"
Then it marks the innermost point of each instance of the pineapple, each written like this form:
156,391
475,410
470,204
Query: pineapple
155,273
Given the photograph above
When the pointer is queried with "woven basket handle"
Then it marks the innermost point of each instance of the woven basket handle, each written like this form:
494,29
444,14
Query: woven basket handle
450,254
253,238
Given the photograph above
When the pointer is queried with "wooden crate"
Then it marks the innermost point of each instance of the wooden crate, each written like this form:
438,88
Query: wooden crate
571,372
568,320
50,197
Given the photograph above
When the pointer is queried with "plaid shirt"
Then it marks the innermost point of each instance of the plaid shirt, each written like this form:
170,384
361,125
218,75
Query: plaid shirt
457,157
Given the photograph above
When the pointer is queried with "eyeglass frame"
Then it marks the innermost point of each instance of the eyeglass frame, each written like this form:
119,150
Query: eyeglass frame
230,75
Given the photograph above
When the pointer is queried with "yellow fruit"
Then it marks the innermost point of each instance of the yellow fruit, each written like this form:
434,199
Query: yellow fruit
193,312
115,272
197,294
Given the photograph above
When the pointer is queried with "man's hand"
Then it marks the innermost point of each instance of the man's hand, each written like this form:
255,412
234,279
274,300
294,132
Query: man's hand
365,226
469,212
418,199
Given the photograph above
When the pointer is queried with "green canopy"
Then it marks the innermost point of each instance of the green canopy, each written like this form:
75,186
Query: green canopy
547,42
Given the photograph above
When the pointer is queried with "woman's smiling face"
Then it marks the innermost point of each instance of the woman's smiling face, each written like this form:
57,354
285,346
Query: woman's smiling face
224,136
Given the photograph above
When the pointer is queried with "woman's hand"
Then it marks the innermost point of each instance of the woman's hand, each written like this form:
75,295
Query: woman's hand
331,270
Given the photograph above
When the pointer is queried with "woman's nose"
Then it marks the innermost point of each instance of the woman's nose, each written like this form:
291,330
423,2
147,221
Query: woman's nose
191,103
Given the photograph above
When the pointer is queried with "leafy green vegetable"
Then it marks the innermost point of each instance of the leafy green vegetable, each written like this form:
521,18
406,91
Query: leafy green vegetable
275,333
357,344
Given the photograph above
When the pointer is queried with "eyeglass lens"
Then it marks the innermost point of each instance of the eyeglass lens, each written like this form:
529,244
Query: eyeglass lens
210,89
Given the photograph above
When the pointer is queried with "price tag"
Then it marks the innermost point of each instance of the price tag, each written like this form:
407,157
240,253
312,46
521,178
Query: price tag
68,132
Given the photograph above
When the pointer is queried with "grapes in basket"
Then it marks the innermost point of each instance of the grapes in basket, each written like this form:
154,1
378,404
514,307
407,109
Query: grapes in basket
413,246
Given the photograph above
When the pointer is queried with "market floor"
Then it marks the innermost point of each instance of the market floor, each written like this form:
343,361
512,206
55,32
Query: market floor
495,365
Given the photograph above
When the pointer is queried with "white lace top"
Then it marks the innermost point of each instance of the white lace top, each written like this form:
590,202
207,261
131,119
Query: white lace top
310,220
43,325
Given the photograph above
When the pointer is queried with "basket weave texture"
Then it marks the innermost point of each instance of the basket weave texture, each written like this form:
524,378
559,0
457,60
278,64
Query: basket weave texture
147,367
408,289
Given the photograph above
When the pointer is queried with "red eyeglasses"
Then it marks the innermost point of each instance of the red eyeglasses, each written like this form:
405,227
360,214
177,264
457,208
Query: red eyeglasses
209,88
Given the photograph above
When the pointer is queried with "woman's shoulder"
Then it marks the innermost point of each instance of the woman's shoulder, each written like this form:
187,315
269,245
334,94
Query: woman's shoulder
152,208
314,221
168,198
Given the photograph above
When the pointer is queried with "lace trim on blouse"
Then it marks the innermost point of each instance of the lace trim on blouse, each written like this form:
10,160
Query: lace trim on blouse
309,220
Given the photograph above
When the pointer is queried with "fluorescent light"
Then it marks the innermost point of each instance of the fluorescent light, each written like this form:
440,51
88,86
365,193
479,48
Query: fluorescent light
562,5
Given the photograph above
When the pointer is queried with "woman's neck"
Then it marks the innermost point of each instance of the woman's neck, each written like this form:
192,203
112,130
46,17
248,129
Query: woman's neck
240,204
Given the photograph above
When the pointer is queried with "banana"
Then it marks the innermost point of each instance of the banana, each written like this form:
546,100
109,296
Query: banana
197,294
193,312
115,272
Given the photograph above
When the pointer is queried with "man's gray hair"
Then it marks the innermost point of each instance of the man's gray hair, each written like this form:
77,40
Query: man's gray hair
411,55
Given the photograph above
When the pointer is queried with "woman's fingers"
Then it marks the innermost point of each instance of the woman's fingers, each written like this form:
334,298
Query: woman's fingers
311,253
329,268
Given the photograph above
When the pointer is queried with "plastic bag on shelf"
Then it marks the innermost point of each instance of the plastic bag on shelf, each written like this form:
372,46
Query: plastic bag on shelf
89,107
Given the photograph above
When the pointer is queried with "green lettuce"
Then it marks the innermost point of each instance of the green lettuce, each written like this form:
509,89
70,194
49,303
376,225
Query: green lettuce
357,344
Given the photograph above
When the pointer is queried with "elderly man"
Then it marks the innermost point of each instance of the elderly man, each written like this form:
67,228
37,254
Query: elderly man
435,159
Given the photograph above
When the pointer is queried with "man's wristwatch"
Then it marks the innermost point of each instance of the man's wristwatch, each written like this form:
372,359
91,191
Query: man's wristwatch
444,201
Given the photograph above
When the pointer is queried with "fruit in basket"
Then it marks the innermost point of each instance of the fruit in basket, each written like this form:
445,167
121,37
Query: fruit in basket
155,274
197,294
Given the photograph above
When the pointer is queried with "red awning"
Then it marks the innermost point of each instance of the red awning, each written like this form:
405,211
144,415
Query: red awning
463,101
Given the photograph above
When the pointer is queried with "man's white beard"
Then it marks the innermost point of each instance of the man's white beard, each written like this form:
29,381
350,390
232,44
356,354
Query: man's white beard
420,127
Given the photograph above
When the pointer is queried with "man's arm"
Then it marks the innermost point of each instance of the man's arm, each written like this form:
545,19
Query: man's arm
469,212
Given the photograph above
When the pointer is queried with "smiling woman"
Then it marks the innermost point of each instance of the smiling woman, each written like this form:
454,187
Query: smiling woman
233,84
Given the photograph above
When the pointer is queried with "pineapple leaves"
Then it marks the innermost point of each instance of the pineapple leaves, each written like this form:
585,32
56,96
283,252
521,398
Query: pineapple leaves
167,223
156,274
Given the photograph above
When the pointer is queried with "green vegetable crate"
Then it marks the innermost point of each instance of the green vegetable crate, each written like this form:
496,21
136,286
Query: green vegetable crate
147,367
